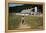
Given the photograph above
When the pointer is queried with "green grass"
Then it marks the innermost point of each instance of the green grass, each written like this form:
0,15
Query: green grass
13,22
34,21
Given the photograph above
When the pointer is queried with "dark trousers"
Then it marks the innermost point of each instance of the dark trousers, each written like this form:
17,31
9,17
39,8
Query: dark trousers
22,21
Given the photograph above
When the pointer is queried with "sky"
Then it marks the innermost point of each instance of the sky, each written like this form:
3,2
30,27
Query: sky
12,5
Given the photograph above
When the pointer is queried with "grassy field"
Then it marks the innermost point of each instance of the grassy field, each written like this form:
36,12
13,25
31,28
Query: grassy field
35,22
14,22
